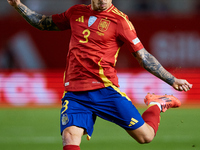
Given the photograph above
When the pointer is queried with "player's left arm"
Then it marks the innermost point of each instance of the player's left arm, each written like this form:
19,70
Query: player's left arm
39,21
151,64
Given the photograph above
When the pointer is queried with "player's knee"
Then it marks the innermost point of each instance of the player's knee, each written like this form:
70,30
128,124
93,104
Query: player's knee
72,136
67,137
145,140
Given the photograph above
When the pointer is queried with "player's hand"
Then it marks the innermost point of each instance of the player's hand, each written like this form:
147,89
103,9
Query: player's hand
14,3
181,85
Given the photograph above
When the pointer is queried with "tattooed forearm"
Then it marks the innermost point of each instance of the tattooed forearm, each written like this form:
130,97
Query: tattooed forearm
151,64
38,21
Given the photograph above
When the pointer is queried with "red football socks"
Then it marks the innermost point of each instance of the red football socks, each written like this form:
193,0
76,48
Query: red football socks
71,147
152,117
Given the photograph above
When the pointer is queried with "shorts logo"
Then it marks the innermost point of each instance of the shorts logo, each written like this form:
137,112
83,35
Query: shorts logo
133,122
103,25
65,119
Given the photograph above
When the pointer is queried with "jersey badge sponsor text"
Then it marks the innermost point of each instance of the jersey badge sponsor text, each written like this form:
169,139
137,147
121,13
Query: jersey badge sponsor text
103,25
100,33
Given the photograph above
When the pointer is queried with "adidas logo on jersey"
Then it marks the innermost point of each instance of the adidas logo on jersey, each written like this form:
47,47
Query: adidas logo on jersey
80,19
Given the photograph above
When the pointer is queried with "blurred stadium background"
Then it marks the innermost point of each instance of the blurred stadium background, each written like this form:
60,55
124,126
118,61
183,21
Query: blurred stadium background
32,64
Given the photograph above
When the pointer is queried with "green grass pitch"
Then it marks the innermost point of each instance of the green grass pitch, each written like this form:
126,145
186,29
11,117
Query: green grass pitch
38,129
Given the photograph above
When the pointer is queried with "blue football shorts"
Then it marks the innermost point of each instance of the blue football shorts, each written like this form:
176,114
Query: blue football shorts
81,109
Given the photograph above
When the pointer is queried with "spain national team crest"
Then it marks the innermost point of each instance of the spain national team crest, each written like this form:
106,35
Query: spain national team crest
65,119
103,25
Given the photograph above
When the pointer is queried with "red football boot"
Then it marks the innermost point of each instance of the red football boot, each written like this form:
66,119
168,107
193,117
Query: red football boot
166,101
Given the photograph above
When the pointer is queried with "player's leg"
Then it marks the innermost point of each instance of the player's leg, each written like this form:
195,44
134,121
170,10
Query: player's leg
115,106
143,134
120,110
156,104
71,138
75,120
147,131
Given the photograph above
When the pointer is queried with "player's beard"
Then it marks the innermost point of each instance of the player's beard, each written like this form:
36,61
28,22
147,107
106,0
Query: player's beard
102,6
99,6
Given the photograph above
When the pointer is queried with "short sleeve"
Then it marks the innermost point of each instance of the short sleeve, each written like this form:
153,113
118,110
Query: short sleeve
127,34
62,20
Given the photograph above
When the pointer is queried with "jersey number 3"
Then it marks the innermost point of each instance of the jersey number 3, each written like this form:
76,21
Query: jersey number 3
86,34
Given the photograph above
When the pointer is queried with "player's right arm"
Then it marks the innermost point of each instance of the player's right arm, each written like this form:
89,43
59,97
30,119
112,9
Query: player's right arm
127,34
151,64
38,21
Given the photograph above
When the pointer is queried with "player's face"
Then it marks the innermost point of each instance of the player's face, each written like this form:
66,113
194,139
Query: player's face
101,5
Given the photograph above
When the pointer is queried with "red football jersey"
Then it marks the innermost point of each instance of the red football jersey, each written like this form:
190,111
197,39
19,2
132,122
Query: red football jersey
96,38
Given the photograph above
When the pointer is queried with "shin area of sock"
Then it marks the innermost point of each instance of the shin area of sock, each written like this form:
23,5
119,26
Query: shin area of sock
152,117
71,147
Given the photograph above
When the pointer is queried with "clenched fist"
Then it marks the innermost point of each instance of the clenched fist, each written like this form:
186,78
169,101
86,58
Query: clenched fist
181,85
14,3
